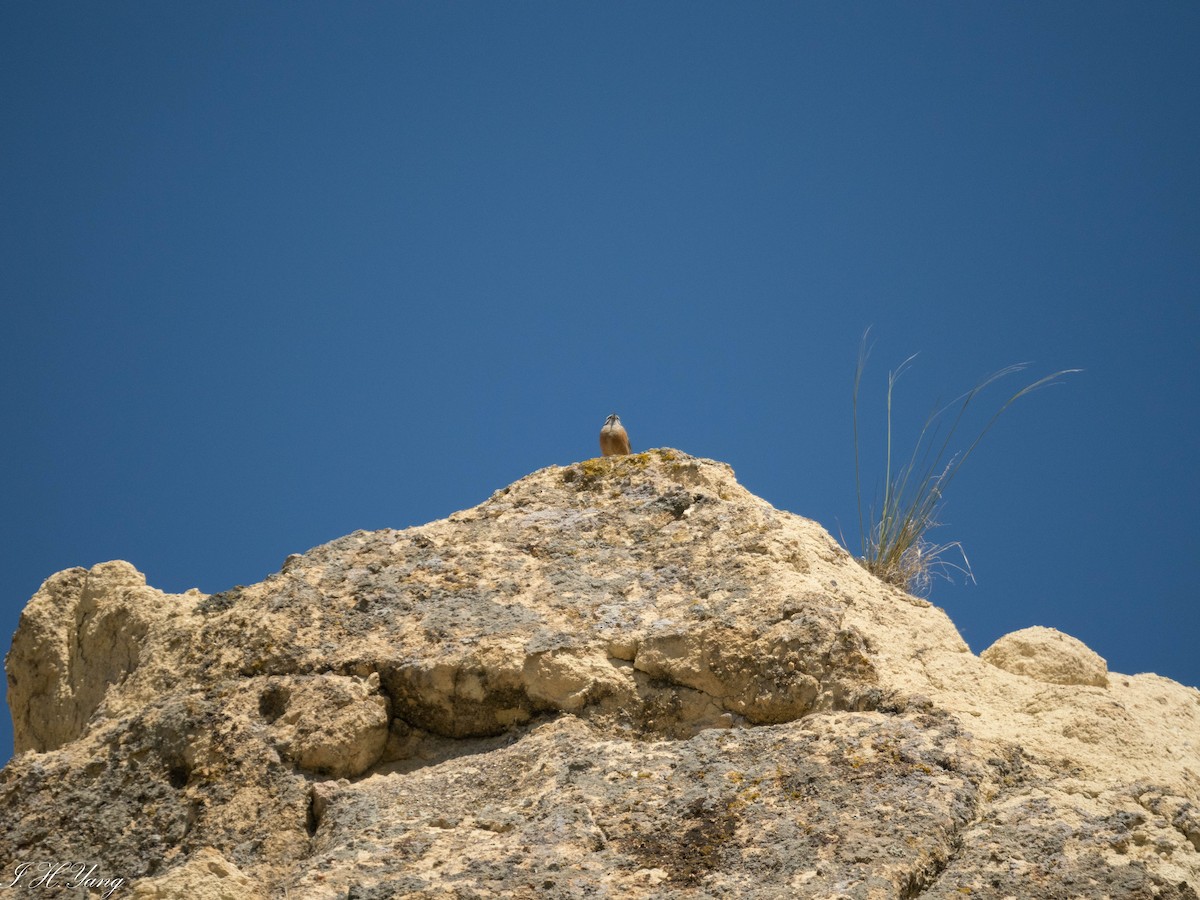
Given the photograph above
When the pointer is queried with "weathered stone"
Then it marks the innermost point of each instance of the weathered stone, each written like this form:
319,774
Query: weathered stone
1047,655
206,876
327,724
625,678
83,631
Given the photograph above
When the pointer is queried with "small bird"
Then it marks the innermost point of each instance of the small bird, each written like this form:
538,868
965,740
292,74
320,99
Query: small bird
614,441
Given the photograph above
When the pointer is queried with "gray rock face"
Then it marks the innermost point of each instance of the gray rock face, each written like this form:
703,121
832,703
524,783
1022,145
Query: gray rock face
623,678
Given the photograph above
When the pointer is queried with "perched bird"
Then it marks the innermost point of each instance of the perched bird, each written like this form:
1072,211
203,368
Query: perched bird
614,441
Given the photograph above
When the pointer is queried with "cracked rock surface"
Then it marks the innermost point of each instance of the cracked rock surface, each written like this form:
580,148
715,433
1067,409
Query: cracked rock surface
624,678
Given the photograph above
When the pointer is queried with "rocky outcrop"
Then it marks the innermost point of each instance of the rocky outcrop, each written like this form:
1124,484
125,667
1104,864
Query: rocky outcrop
628,677
1048,655
82,632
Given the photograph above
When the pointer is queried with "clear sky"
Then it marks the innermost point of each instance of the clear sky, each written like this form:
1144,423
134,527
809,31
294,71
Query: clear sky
273,272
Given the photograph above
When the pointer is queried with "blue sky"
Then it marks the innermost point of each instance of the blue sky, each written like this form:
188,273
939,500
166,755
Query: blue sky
275,272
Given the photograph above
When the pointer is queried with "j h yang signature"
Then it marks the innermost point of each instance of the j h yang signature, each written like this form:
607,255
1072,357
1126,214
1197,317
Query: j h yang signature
65,874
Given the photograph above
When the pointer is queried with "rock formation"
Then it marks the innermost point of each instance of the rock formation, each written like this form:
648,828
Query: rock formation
623,678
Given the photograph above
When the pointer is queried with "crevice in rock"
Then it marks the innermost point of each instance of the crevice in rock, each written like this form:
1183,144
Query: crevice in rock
925,879
273,702
411,747
193,816
314,812
178,777
1005,776
175,760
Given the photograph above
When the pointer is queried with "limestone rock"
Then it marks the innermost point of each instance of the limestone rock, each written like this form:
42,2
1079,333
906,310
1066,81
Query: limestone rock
206,876
1048,655
627,677
83,631
329,724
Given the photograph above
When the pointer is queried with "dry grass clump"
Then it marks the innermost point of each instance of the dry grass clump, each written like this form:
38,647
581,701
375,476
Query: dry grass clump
895,546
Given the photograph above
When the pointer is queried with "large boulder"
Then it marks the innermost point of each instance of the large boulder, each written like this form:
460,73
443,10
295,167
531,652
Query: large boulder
1048,655
627,677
